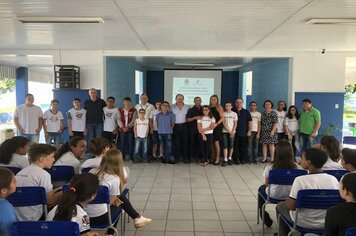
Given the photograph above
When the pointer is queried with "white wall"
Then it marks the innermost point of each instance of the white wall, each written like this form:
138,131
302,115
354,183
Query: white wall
91,65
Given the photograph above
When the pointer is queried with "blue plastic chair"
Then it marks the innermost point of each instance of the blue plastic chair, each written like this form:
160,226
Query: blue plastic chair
312,199
61,173
44,228
14,170
279,177
350,231
87,169
29,196
337,173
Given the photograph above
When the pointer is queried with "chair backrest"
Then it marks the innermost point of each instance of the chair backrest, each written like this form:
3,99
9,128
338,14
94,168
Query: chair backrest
87,169
102,196
61,173
42,228
337,173
318,198
28,196
284,177
350,231
14,170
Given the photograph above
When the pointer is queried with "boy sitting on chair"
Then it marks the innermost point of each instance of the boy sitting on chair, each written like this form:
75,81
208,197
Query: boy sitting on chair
312,160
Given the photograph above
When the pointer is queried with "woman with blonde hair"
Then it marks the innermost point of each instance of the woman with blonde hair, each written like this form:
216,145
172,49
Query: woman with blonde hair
111,174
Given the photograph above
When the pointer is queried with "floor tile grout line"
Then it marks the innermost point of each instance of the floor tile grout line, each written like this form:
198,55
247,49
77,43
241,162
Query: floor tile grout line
191,199
169,200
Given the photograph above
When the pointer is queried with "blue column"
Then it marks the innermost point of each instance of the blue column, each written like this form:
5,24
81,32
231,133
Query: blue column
21,84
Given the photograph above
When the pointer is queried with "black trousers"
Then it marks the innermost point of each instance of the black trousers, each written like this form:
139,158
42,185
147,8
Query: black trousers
194,151
180,142
240,149
206,147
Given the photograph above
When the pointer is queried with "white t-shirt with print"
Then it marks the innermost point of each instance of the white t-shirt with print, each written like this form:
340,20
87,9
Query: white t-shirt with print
205,122
19,161
277,191
332,165
81,218
312,218
280,125
32,176
28,117
92,162
256,117
142,127
148,109
229,119
78,119
293,125
68,159
153,118
113,184
53,121
110,121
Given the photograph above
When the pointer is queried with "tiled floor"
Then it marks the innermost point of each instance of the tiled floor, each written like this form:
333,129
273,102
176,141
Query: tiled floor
190,200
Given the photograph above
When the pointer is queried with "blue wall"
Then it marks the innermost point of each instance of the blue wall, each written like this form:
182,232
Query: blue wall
270,80
325,103
120,79
229,85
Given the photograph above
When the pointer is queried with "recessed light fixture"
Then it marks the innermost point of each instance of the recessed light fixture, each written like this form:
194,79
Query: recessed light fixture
194,64
331,21
60,19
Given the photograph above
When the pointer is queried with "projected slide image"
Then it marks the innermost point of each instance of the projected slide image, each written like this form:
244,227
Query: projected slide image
193,87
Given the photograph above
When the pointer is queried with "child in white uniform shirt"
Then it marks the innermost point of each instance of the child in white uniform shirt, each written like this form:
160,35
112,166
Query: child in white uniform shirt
111,174
332,147
141,129
229,130
291,128
77,120
97,146
348,159
110,120
281,114
154,131
312,160
41,156
13,152
205,128
53,124
70,153
255,133
82,190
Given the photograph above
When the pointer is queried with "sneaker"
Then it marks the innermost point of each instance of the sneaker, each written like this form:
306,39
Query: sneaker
171,162
224,163
229,162
142,221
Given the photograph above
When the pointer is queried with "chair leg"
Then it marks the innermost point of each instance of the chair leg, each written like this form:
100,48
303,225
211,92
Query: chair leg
258,215
263,210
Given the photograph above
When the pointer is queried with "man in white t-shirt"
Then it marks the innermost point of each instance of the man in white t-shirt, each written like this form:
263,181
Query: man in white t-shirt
28,119
141,130
53,124
312,160
41,156
110,120
255,133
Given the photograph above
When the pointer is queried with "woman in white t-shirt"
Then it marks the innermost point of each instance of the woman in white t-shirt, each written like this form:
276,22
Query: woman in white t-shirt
283,159
111,174
13,152
206,130
98,147
332,147
291,127
82,190
281,114
70,153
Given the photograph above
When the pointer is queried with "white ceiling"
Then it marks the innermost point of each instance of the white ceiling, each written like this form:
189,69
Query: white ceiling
164,25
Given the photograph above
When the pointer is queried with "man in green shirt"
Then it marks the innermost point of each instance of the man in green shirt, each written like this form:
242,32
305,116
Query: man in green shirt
309,124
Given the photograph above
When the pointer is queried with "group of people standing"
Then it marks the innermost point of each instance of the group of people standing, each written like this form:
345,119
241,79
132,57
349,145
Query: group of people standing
176,132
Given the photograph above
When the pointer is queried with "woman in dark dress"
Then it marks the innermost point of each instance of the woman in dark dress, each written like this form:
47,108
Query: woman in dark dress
269,137
218,113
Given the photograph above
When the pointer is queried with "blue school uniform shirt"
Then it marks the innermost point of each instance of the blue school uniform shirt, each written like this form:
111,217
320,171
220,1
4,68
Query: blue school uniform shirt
7,217
164,122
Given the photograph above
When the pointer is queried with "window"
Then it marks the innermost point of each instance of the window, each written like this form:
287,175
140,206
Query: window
138,82
248,77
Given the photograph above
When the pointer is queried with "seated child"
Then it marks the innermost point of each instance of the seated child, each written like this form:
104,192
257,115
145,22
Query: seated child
82,189
343,216
41,156
312,159
7,213
332,147
348,159
13,152
97,146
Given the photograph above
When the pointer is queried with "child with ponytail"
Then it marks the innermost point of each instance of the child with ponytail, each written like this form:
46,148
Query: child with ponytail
13,152
97,146
82,189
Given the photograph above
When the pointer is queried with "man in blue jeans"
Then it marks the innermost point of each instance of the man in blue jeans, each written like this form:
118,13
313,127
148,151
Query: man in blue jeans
165,124
94,118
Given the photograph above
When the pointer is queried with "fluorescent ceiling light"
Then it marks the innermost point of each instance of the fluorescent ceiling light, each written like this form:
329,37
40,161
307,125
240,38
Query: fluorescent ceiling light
331,21
194,64
60,19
